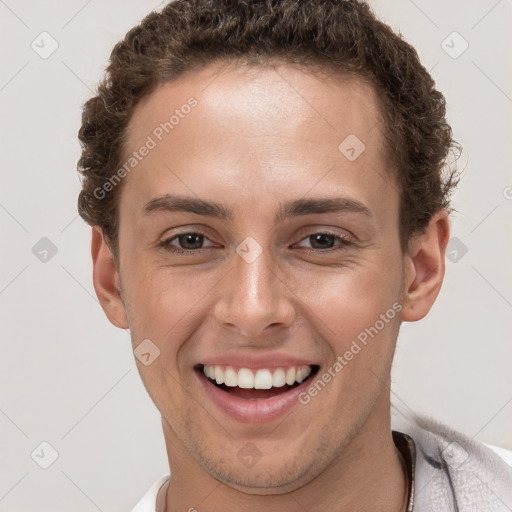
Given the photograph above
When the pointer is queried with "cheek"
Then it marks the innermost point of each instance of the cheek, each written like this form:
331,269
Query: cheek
357,314
167,303
348,301
164,307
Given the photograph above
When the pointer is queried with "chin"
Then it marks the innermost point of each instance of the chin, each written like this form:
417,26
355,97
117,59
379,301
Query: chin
263,480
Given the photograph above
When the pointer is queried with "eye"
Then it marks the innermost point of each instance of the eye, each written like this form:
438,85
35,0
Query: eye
324,241
184,243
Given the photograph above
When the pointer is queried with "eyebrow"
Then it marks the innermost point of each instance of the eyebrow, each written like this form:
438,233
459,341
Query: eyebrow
295,208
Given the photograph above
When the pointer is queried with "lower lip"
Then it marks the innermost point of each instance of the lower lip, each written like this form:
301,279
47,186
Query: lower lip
253,411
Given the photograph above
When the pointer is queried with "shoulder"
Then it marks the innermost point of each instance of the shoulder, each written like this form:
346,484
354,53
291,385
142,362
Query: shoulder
455,472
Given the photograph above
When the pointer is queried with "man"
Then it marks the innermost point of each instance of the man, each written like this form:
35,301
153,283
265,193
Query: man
267,187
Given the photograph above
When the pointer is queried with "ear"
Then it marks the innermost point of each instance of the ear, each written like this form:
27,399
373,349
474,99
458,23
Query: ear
424,268
106,280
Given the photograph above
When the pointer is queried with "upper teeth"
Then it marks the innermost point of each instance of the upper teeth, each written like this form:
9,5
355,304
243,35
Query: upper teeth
257,379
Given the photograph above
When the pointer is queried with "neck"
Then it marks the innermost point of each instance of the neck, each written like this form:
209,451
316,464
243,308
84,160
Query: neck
368,475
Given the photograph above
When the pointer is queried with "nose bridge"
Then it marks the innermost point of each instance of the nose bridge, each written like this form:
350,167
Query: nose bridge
254,276
253,296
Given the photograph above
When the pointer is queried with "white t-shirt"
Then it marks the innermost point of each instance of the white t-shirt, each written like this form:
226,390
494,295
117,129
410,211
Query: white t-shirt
148,501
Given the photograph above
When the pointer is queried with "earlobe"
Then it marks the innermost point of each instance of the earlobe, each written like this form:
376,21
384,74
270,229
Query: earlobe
106,280
424,268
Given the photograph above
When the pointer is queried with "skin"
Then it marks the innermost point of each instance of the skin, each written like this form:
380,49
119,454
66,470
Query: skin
264,136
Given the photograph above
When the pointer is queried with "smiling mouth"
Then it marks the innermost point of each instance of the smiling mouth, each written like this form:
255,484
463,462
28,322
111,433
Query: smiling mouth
260,384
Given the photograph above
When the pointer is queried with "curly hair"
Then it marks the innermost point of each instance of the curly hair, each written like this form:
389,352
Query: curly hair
339,36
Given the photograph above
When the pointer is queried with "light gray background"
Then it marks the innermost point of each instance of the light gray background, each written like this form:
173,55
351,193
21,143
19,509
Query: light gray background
68,377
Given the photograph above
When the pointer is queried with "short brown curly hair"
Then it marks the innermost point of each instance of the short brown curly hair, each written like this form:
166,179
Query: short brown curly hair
342,36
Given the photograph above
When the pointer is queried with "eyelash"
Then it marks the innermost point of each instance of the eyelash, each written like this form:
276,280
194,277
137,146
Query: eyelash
166,244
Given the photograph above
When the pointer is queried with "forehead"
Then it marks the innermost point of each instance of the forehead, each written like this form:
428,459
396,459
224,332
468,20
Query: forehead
283,93
238,131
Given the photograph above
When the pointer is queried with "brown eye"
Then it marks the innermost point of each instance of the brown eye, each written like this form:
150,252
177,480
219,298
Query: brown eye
326,241
189,242
322,241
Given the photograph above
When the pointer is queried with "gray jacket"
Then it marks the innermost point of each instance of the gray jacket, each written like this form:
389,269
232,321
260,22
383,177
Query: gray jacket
456,473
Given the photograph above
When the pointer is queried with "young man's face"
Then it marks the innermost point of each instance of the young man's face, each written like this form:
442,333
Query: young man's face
257,289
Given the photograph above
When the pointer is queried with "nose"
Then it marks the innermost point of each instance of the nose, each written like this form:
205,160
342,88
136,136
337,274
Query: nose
253,299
